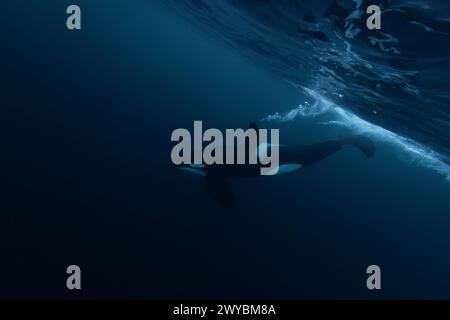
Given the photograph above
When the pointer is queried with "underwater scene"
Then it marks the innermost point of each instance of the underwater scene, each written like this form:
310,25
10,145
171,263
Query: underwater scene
361,176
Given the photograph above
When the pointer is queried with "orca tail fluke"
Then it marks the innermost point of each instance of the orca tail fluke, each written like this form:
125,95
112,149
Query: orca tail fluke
364,144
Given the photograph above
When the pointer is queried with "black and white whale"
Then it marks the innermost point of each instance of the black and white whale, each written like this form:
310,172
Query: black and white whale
291,159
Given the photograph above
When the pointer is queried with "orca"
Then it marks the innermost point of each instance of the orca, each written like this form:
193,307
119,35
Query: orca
292,159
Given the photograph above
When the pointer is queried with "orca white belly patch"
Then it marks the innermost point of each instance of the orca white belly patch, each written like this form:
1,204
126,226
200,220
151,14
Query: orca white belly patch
287,168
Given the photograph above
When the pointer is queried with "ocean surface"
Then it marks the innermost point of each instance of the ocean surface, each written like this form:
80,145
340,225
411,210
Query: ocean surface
86,120
396,78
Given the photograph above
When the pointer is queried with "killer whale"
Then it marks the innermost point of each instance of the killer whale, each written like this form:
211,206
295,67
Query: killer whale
292,158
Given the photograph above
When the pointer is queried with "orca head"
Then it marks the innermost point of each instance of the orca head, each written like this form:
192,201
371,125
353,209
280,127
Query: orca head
198,169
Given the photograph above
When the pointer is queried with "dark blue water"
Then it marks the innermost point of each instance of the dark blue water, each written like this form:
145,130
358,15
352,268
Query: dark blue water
86,123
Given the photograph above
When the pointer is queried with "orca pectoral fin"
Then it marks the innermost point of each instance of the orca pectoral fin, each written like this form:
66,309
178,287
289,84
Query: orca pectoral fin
220,190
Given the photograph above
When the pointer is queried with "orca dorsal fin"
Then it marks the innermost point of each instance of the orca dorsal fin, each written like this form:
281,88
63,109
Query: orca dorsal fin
253,125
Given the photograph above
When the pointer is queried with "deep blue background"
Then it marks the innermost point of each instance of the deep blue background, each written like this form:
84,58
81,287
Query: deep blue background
86,119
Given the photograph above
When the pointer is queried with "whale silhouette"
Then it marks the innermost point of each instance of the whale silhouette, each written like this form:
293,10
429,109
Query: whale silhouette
291,159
